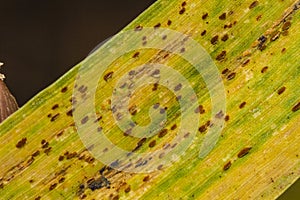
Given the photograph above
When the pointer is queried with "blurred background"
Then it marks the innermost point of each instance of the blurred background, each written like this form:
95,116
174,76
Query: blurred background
41,40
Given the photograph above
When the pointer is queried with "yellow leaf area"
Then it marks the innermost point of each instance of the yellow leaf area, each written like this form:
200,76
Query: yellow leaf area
255,46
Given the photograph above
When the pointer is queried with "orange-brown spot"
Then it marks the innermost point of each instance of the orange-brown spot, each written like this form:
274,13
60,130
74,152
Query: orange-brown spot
281,90
231,76
152,143
242,105
21,143
264,69
52,186
146,178
202,128
204,16
221,56
182,11
214,40
296,107
227,166
203,33
225,37
253,4
162,133
223,16
244,152
108,76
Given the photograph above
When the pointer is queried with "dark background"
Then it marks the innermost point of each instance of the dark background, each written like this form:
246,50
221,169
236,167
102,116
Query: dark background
41,40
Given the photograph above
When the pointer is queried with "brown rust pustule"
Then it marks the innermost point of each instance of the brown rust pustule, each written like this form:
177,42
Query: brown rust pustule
227,166
244,152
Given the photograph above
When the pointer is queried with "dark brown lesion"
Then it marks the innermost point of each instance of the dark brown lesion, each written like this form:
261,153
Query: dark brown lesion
296,107
244,152
21,143
227,166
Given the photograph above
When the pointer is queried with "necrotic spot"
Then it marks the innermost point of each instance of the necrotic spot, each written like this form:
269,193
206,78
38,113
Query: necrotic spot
244,152
155,86
223,16
226,118
82,89
225,71
208,123
200,109
286,25
36,153
173,127
54,117
202,129
160,167
162,133
281,90
84,120
141,142
60,133
136,54
21,143
245,62
161,155
186,135
221,56
138,28
227,166
253,5
116,197
132,110
242,105
162,111
62,179
169,22
231,76
61,158
203,33
220,114
52,186
152,143
264,69
45,144
157,25
55,107
182,11
70,113
47,151
155,73
214,40
64,89
296,107
155,106
174,145
224,37
108,76
127,189
178,87
204,16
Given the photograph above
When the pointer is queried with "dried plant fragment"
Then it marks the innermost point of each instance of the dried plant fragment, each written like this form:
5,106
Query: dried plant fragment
8,103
